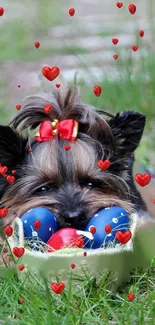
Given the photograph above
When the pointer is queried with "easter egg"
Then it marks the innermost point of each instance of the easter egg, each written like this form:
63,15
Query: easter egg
104,226
66,238
39,224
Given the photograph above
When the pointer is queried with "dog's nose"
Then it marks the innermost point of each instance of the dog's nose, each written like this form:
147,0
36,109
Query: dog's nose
75,217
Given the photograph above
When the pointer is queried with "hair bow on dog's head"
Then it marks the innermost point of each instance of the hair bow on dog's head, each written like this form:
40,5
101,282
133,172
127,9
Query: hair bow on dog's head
66,129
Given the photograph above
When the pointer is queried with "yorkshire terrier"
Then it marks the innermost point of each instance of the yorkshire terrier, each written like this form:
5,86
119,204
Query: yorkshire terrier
62,174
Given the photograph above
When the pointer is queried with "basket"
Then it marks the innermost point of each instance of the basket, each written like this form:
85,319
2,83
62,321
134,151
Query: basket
137,252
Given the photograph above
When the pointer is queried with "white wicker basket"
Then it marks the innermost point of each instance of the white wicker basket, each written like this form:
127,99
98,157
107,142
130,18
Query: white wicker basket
139,251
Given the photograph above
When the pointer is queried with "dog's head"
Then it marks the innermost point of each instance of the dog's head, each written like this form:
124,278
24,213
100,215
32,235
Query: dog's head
69,183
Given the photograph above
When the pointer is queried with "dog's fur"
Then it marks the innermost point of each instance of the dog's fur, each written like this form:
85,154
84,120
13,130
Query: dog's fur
70,183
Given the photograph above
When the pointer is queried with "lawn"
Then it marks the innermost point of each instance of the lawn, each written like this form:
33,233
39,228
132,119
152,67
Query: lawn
84,301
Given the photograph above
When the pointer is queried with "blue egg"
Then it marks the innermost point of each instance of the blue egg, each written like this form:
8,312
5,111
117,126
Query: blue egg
48,224
116,217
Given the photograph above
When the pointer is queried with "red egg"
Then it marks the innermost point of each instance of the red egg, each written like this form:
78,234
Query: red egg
65,238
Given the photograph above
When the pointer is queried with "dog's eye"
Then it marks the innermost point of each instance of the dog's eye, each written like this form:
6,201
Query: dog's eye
90,183
45,188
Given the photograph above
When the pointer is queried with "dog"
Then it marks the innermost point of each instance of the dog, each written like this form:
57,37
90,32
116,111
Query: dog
69,182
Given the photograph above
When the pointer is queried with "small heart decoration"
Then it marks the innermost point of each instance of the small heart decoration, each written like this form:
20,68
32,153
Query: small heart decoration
132,8
3,170
141,33
71,12
131,296
21,267
37,45
10,179
58,85
3,212
37,224
73,266
104,164
1,11
67,148
119,4
92,229
18,107
115,41
18,252
97,91
8,231
50,73
143,180
108,229
48,108
135,48
57,287
123,238
115,56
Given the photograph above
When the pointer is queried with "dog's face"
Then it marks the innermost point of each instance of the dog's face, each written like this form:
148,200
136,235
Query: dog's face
70,183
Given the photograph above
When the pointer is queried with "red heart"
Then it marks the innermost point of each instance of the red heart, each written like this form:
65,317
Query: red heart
13,171
21,267
18,107
85,254
141,33
67,147
123,238
8,231
108,229
37,224
97,90
103,164
19,86
135,48
58,287
10,179
36,44
18,252
29,149
3,170
115,56
131,296
58,85
115,41
79,242
50,73
47,108
73,266
119,4
92,229
21,301
143,180
3,212
1,11
71,11
132,8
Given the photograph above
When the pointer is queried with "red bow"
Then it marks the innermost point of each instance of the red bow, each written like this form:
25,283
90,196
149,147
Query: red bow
66,129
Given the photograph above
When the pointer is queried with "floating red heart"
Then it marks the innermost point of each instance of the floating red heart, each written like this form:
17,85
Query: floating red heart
135,48
1,11
103,164
71,11
48,108
115,41
131,296
92,229
13,171
18,107
50,73
19,86
119,4
108,229
115,56
79,242
29,149
10,179
58,287
36,44
141,33
143,180
123,238
18,252
67,147
84,253
132,8
97,91
73,266
8,231
21,267
3,212
3,170
37,224
58,85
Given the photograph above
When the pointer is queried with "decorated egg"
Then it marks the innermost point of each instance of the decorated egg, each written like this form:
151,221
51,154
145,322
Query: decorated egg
68,238
104,226
39,224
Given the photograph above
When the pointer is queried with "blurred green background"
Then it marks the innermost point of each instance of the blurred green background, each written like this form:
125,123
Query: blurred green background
81,43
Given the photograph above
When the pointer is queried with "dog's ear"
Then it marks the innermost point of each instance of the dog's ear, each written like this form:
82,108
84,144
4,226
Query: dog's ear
12,146
127,129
